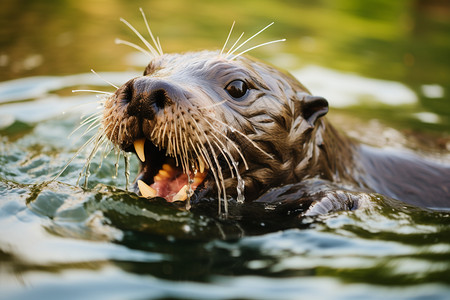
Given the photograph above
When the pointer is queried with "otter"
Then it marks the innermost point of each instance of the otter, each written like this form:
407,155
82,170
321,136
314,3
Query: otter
225,125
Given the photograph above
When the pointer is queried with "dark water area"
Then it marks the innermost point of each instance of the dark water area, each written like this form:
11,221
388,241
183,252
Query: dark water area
382,65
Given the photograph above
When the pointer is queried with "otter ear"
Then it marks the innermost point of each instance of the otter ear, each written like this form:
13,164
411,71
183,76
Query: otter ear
313,107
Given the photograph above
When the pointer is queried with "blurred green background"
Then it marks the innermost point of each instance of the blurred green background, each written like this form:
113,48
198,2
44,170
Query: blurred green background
382,64
406,41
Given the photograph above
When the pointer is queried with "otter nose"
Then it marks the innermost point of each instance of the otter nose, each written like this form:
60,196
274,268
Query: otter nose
146,96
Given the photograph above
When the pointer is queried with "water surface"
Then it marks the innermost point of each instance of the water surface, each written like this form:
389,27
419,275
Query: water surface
383,66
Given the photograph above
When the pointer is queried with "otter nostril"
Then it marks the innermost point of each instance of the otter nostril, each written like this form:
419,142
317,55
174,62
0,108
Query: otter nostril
145,96
159,97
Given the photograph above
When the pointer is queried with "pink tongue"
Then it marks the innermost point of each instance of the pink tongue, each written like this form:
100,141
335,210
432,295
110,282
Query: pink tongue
167,188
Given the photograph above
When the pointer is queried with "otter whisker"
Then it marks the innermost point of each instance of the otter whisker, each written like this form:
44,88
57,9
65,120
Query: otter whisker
108,82
120,132
126,158
105,118
228,37
184,152
73,157
234,130
218,168
195,151
91,119
93,91
146,43
231,142
85,170
225,156
153,131
222,148
94,116
207,138
234,45
116,164
221,179
133,45
206,159
157,44
257,46
174,144
215,175
105,150
249,39
94,119
180,149
241,184
163,133
90,128
185,145
114,125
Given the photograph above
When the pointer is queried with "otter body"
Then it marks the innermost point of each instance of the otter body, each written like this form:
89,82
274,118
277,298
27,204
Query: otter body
205,124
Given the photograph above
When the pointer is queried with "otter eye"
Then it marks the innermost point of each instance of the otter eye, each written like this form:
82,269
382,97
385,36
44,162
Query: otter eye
237,89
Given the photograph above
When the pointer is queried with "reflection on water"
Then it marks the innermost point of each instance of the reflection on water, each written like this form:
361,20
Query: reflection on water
349,89
380,62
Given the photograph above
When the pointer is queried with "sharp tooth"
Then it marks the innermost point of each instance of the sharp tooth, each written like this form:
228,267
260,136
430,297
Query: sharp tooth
164,174
139,147
181,195
146,190
167,167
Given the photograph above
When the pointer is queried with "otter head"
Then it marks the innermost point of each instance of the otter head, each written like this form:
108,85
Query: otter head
201,122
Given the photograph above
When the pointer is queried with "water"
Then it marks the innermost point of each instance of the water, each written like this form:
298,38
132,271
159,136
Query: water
385,75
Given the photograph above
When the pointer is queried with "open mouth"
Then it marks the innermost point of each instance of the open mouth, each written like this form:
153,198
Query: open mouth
163,176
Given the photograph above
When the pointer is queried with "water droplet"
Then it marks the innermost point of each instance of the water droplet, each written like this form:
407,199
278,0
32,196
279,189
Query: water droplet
126,157
240,184
116,165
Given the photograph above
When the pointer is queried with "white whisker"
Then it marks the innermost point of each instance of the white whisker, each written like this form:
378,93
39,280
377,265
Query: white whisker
157,44
195,150
220,183
163,134
103,147
73,157
133,45
228,38
235,43
100,139
108,82
260,45
250,38
244,136
146,43
223,146
116,164
91,127
233,144
92,91
227,156
95,138
216,178
91,119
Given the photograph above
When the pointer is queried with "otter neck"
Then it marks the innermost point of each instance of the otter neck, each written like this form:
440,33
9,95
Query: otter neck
336,155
